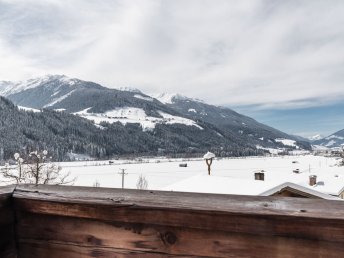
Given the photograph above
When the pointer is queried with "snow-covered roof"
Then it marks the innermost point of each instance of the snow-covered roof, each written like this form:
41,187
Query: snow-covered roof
328,184
220,185
298,188
209,155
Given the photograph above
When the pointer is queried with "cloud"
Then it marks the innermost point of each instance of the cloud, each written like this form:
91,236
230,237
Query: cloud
265,53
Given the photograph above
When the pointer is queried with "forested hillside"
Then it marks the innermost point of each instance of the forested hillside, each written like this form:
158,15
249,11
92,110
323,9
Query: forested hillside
62,133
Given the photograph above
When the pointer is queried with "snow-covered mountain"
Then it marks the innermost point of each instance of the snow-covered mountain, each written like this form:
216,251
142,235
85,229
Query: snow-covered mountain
128,106
332,141
315,137
231,122
44,92
9,88
170,98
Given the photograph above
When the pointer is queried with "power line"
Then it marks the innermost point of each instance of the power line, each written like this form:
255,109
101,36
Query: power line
123,174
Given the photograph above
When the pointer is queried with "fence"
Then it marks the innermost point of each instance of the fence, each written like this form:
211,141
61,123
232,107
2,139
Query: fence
64,221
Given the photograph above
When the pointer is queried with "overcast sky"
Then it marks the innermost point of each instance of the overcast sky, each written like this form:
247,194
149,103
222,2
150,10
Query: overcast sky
264,54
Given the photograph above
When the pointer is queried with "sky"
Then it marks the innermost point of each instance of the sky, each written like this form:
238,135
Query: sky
281,61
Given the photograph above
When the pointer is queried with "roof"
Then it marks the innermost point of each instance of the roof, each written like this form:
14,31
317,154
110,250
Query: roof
209,155
220,185
328,184
298,189
228,185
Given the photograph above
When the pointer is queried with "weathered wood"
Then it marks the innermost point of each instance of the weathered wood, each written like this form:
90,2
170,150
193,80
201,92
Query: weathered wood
219,203
213,212
94,222
34,249
7,239
180,242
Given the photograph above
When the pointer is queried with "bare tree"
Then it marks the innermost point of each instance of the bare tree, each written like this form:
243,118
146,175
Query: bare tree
96,183
14,174
142,183
36,169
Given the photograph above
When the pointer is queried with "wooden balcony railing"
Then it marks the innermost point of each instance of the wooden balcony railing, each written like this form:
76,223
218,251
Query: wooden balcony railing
63,222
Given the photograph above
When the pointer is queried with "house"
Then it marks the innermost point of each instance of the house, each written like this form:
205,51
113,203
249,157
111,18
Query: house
236,186
330,184
289,189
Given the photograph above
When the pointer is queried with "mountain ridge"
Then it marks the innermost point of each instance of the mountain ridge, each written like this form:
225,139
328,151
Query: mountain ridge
334,140
103,105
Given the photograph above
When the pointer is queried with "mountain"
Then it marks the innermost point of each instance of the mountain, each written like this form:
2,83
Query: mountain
59,92
315,137
230,122
62,134
182,123
332,141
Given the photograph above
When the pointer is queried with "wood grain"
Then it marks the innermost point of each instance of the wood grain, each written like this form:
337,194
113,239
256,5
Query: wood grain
257,215
176,241
60,221
7,239
236,204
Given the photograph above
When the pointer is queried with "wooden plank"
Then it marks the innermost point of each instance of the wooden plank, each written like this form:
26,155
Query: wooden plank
127,223
81,236
36,249
235,204
170,209
7,189
7,238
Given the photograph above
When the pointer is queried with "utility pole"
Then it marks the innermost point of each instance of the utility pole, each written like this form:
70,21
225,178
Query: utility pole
123,174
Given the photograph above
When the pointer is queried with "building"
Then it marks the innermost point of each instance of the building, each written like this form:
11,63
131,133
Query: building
289,189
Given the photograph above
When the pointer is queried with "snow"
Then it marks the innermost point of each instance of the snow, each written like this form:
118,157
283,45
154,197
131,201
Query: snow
330,143
169,98
237,174
328,184
8,88
78,157
334,137
170,119
315,137
319,148
59,99
83,112
300,188
209,155
135,115
228,175
286,142
165,98
271,150
219,134
55,93
143,97
130,89
29,109
192,110
224,185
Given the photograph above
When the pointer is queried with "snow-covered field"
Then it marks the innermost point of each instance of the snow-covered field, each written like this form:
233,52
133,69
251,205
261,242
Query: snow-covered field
228,175
234,173
126,115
